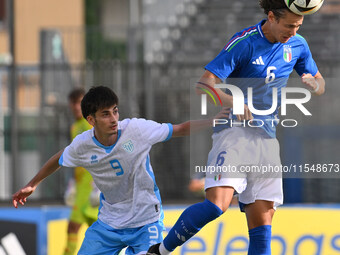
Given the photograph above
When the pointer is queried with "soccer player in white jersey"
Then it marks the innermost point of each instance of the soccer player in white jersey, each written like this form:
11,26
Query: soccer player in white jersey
116,153
261,57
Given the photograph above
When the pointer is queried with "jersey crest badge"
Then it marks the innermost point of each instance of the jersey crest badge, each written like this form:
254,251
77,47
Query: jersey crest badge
128,146
94,159
287,53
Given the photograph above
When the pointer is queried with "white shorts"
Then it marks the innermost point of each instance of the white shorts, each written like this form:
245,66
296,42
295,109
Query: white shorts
249,161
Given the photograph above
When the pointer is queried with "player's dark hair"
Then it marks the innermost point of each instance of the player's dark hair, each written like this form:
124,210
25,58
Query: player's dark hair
97,98
278,7
75,94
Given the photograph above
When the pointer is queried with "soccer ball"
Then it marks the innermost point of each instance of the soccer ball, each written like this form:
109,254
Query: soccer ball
304,7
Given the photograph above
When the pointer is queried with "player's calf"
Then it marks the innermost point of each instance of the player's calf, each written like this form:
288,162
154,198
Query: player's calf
259,240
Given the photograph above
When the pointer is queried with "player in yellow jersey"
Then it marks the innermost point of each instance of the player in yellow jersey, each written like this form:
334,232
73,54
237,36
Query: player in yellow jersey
82,210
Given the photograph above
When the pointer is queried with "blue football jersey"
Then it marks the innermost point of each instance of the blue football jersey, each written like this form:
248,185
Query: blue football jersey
250,60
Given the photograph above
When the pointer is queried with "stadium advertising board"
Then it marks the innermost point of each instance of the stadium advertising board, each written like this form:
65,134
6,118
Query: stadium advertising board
297,231
18,238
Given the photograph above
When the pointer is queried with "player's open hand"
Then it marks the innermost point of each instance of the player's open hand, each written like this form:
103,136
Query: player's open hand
246,116
21,195
310,82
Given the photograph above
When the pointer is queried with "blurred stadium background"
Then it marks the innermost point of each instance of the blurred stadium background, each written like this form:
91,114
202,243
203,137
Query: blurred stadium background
148,51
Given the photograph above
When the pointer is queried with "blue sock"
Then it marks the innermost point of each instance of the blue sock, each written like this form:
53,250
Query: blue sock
260,238
190,222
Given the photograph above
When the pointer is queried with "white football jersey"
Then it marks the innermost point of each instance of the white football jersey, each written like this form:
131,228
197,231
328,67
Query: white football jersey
130,197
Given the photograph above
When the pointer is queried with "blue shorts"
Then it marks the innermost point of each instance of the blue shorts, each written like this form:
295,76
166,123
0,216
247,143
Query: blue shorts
100,238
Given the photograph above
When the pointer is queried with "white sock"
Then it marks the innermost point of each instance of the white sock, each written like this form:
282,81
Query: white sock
163,250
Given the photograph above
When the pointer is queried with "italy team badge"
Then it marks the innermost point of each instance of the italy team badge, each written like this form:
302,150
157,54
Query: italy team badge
287,53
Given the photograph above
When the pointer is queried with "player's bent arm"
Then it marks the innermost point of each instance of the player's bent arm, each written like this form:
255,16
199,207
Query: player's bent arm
47,169
315,84
321,81
210,79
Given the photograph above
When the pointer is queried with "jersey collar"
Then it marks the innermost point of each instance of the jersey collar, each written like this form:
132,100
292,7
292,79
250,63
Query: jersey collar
107,149
259,28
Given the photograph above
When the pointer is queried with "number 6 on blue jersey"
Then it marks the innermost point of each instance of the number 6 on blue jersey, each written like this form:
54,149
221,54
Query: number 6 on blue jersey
116,165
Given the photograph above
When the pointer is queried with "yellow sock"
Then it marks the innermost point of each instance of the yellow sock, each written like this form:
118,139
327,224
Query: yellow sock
71,246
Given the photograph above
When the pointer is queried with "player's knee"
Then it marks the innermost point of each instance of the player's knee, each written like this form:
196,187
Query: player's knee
222,205
221,197
202,213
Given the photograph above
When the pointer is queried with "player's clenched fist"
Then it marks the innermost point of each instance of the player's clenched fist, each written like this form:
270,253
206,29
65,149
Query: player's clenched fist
310,82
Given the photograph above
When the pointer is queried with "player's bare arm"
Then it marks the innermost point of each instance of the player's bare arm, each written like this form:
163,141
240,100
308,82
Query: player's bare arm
315,84
211,79
48,168
193,126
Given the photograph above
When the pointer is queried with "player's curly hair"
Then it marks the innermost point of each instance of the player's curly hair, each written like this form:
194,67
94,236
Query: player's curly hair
278,7
97,98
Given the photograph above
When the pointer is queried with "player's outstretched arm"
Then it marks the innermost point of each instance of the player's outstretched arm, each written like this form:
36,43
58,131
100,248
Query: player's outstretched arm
193,126
315,84
48,168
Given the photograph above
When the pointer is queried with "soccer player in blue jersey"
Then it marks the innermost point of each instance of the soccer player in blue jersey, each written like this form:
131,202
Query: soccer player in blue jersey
116,153
262,57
